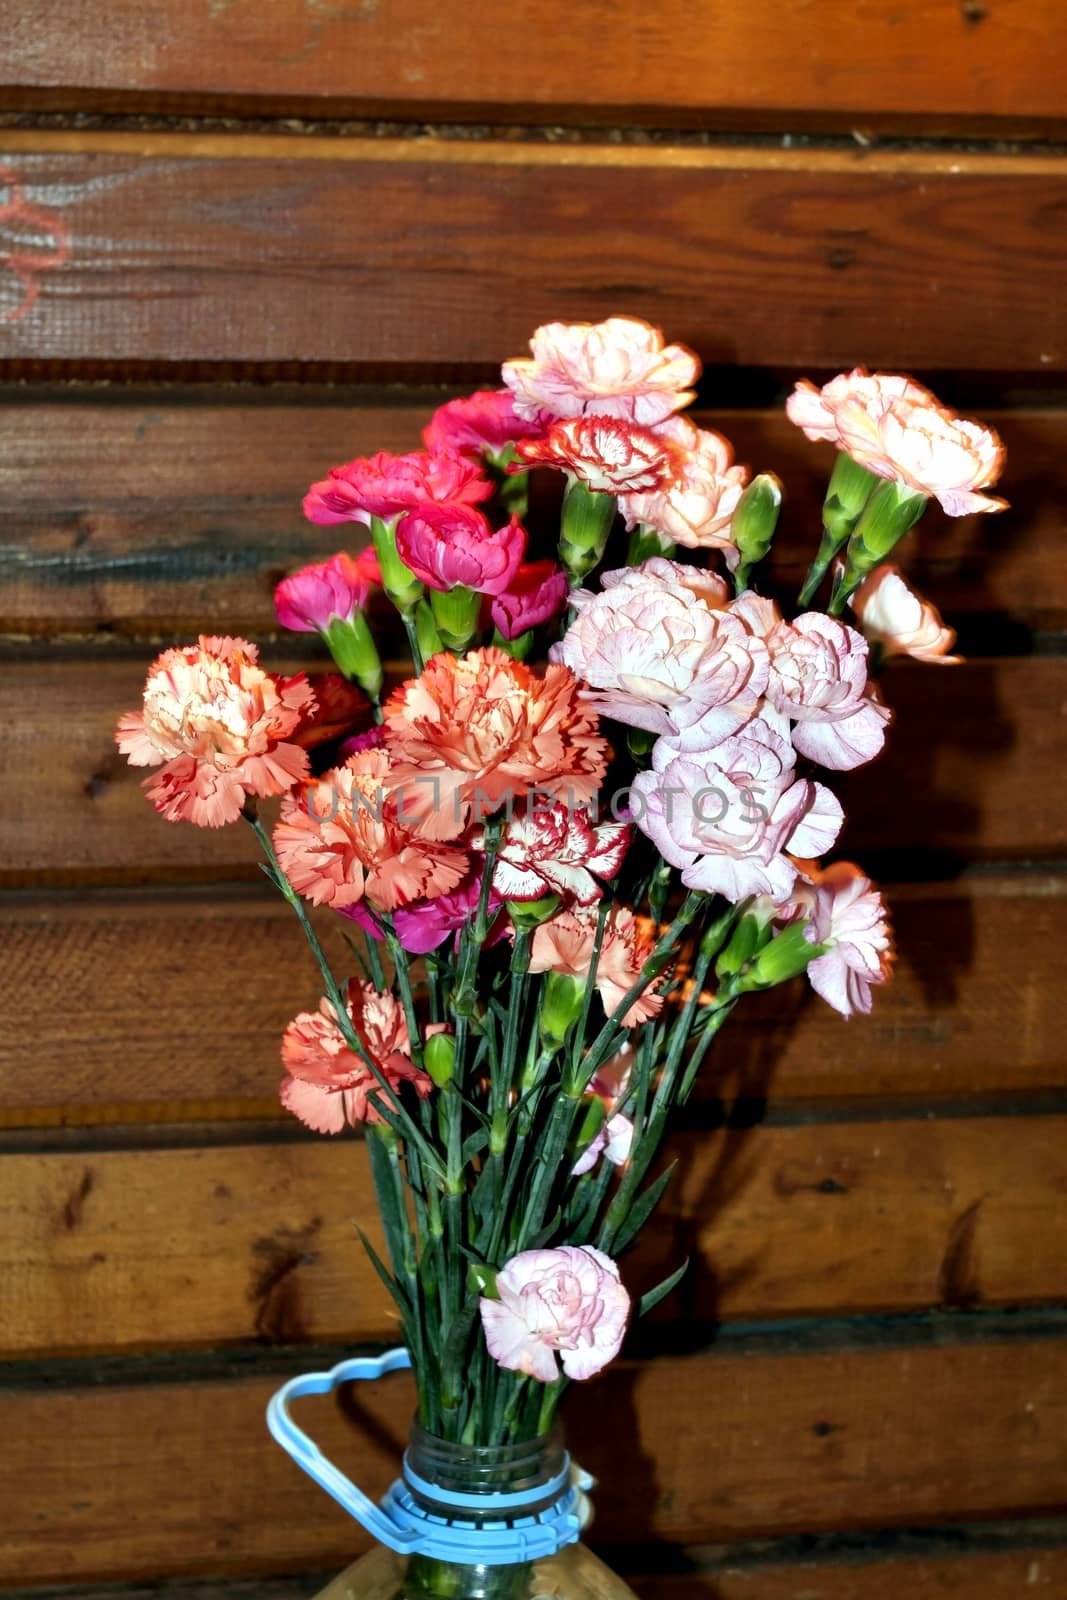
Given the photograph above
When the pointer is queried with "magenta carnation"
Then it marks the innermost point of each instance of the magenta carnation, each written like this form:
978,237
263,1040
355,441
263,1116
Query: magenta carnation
536,594
483,423
451,545
385,485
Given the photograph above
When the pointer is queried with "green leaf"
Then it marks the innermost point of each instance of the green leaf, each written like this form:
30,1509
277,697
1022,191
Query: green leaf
395,1291
662,1290
473,1144
642,1209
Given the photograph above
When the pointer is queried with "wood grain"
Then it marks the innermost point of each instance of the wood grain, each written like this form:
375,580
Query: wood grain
863,66
371,255
973,771
174,1479
154,518
148,977
157,1249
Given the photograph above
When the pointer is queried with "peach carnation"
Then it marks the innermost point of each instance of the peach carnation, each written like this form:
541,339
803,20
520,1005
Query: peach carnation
474,734
617,368
696,506
893,616
608,454
897,429
568,1301
340,841
220,726
849,917
328,1084
565,944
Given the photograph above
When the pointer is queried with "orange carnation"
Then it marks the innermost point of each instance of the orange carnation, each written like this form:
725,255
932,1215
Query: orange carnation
565,943
340,841
472,735
219,723
327,1083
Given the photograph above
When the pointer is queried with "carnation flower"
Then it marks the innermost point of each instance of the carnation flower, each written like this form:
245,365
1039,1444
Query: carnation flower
897,429
565,943
658,651
819,679
556,851
904,624
339,707
328,1083
567,1301
847,912
608,454
453,545
617,368
385,486
221,726
614,1139
696,505
341,841
727,816
483,423
426,924
315,596
473,734
536,594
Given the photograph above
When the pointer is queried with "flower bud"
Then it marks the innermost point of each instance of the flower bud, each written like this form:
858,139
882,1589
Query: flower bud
398,580
352,646
849,489
747,937
587,518
481,1279
530,914
455,614
784,957
755,519
890,513
561,1006
439,1055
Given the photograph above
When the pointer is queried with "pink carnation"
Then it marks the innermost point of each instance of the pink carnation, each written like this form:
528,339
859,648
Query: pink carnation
614,1139
328,1083
849,915
385,486
695,507
536,594
617,368
608,454
315,596
819,679
899,430
483,423
557,851
565,943
342,841
658,651
567,1301
221,726
904,624
450,545
727,816
426,924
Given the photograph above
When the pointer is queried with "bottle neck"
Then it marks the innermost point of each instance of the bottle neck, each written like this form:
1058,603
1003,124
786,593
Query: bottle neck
485,1482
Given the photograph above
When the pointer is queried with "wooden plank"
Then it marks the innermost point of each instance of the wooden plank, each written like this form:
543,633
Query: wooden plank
919,259
971,1009
862,66
973,772
175,1479
85,549
234,1244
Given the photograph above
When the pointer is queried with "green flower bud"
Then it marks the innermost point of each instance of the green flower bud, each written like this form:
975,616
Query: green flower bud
784,957
587,519
890,513
352,646
439,1056
482,1280
530,914
455,613
747,937
756,518
849,489
398,580
561,1006
519,647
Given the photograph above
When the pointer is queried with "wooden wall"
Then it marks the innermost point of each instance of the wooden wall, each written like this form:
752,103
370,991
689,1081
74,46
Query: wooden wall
241,242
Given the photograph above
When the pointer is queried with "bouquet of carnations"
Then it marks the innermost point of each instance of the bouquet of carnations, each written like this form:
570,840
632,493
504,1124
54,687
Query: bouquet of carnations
586,826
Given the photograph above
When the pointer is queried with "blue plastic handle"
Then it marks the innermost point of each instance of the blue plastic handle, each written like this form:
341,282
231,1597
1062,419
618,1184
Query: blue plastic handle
307,1454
